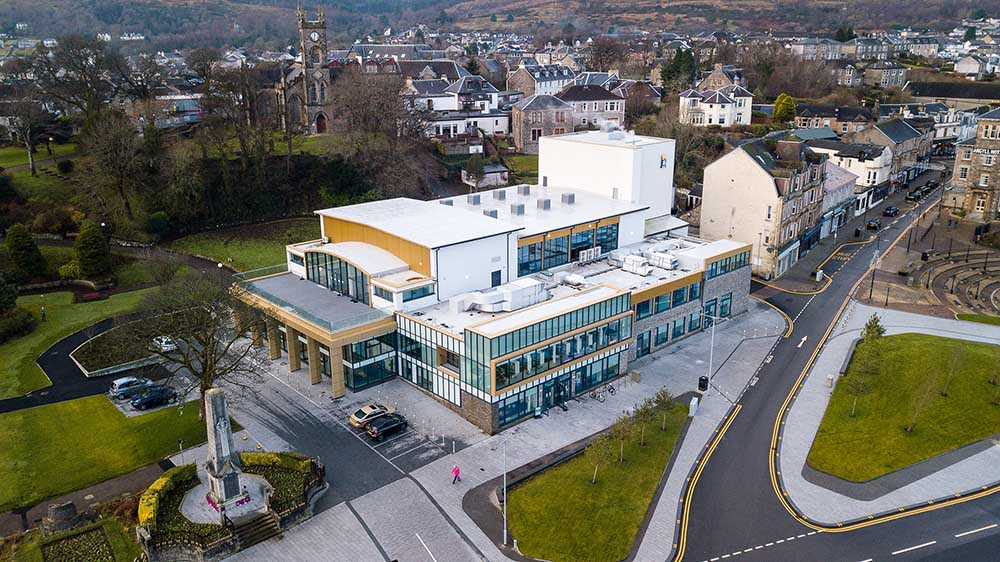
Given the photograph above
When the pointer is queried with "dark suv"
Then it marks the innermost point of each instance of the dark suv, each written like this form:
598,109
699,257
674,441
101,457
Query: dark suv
154,396
386,425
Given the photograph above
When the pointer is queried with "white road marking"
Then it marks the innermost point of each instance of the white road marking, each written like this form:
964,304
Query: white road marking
396,438
407,451
802,342
768,360
714,559
779,542
914,547
769,544
986,528
758,547
811,533
800,536
753,381
867,560
724,556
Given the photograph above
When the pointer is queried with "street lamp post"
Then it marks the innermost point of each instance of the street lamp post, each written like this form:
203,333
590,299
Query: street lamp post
711,352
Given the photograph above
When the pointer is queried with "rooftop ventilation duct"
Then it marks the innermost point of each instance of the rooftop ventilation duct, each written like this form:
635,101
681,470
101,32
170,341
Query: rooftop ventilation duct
473,198
544,204
492,213
517,208
500,194
568,198
524,190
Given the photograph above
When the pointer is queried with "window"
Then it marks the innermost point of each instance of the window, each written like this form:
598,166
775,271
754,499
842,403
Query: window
582,240
382,293
966,154
694,291
679,297
535,134
722,120
694,321
662,303
607,237
984,180
642,344
556,251
768,213
495,278
678,327
529,259
843,128
725,304
662,333
987,160
296,259
963,173
643,309
417,293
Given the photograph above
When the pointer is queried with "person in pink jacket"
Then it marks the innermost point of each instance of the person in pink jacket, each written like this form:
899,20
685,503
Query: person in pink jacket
457,473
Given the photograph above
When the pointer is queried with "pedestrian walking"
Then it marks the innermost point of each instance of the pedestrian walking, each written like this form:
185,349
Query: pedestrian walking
457,472
43,313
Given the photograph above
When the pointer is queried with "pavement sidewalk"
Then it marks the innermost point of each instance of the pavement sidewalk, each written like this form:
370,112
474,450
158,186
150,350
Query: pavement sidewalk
829,507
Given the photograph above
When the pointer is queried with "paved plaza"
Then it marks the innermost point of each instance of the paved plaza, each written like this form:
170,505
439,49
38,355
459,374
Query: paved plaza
418,513
829,507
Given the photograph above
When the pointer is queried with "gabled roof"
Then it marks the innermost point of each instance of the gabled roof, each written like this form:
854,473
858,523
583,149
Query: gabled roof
439,68
993,114
541,102
549,72
690,94
857,151
715,96
897,130
602,79
955,90
735,91
586,93
841,113
472,85
432,87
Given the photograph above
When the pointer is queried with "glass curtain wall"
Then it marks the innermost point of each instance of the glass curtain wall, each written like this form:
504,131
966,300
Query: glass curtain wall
337,275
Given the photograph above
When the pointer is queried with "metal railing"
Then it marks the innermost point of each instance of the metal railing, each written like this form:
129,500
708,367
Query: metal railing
245,281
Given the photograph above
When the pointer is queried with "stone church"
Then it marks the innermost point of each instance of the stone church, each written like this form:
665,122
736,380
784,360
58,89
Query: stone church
306,84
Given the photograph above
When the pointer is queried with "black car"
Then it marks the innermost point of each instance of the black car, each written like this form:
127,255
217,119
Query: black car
914,195
153,397
874,224
386,425
890,211
931,185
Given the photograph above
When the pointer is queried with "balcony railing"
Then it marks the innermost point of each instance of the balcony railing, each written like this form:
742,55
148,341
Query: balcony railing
245,280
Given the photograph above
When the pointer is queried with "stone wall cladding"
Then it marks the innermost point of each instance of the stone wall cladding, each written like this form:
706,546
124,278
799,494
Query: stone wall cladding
735,282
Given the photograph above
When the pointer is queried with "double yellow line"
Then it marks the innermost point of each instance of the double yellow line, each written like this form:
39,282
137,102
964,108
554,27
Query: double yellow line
710,448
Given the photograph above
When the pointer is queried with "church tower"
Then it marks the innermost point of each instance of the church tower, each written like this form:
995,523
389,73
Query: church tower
316,80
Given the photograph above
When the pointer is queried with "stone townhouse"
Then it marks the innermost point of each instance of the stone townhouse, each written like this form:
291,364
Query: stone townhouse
817,48
923,46
593,106
537,116
886,74
842,119
867,48
767,193
540,79
847,72
720,76
726,107
910,146
975,175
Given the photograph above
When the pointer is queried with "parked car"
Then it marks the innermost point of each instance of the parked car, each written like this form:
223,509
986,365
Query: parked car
164,344
126,387
931,185
387,424
366,414
874,224
890,211
914,195
154,396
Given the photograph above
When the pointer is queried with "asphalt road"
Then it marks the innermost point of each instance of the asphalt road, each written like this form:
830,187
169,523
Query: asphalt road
735,513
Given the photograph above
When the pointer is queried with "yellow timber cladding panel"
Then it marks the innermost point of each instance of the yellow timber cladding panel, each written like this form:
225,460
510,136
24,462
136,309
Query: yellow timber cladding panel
418,257
664,288
565,231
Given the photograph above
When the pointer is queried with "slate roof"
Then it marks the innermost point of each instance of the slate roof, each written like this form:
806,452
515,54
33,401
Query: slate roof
472,85
897,130
441,69
432,87
735,91
549,72
602,79
541,102
586,93
993,114
858,151
715,96
841,113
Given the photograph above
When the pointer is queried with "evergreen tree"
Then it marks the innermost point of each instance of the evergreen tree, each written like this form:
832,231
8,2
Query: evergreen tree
8,295
970,34
784,109
92,251
472,66
493,18
23,254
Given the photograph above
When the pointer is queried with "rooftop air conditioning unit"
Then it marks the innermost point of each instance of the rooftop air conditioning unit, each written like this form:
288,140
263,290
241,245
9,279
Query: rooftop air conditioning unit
500,195
663,260
568,198
575,279
448,202
638,265
517,208
492,213
544,204
473,198
524,190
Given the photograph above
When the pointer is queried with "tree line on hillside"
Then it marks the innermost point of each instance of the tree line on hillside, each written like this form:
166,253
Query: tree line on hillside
243,162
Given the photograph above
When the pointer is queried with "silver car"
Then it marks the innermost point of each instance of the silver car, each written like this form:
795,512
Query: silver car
126,387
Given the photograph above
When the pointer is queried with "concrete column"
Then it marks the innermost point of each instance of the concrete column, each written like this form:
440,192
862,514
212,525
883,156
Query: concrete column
337,370
294,363
273,339
315,369
256,334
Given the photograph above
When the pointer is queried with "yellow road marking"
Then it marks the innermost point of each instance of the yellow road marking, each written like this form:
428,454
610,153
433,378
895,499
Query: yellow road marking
788,319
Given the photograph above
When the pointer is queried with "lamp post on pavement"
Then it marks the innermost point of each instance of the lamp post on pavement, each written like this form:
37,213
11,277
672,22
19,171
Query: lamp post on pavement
711,352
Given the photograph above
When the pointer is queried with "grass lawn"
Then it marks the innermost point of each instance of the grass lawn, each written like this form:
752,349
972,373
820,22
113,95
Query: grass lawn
116,539
524,167
19,374
16,155
559,515
250,246
981,318
43,188
914,368
55,449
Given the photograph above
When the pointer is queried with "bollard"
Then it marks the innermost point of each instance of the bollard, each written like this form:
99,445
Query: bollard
453,446
829,381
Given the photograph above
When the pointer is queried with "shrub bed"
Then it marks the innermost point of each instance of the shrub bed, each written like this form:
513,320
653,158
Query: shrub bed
15,323
91,545
160,509
149,503
118,345
290,474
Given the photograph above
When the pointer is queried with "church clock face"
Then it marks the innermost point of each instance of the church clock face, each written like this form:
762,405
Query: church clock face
314,36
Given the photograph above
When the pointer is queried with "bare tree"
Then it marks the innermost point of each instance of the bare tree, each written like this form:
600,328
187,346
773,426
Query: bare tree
600,451
26,124
82,73
206,317
644,414
923,398
605,52
621,430
955,362
114,149
995,371
663,401
856,385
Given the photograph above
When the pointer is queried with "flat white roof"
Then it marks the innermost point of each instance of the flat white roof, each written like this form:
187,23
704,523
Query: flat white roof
586,207
427,223
713,248
621,139
372,259
542,311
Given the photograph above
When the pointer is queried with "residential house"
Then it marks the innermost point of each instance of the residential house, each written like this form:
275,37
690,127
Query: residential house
838,198
871,164
867,48
975,174
540,80
848,73
593,106
643,88
972,67
607,80
767,193
910,147
842,119
817,48
886,74
494,174
922,46
495,70
950,124
720,76
537,116
726,107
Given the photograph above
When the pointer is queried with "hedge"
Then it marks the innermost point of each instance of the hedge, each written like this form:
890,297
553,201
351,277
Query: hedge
15,323
288,473
287,460
149,503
